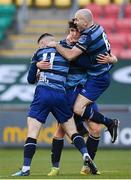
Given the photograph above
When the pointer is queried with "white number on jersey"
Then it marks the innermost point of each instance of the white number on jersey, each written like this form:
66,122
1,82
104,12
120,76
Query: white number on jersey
52,57
106,41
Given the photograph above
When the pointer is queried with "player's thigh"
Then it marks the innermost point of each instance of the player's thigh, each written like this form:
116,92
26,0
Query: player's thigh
40,106
34,127
95,86
72,94
61,108
59,133
70,127
80,104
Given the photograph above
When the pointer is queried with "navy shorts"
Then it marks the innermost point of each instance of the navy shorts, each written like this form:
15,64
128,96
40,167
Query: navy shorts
95,86
72,94
48,100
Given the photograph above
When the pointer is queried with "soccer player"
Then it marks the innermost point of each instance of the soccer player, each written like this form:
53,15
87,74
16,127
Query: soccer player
93,41
49,97
75,80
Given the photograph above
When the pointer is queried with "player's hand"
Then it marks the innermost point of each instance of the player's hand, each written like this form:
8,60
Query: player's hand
70,39
43,65
107,58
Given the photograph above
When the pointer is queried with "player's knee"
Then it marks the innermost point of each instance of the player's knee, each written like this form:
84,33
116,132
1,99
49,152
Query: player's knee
33,134
33,128
95,130
59,134
77,109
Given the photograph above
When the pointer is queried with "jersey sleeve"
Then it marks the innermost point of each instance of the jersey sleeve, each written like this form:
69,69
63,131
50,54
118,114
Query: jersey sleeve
83,42
31,77
34,58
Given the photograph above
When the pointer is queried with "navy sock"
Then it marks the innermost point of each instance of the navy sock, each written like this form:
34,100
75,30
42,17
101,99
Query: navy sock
29,150
79,143
96,117
57,146
88,112
101,119
92,145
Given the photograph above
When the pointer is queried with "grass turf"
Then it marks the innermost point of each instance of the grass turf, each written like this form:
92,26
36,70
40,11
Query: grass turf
113,164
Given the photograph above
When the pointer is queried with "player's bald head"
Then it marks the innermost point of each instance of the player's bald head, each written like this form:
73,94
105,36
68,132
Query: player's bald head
83,19
86,14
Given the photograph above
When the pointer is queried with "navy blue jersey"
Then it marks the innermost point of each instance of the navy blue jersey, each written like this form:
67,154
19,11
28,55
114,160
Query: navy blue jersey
93,41
55,77
77,74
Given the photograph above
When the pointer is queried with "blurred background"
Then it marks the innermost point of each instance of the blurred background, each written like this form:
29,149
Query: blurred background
21,23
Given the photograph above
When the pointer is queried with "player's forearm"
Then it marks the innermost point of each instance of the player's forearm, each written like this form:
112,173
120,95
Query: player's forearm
31,78
114,59
65,52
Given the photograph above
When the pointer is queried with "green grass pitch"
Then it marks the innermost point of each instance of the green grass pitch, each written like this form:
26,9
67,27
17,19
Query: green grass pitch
113,164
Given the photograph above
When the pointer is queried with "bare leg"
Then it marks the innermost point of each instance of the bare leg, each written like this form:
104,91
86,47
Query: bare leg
80,104
34,127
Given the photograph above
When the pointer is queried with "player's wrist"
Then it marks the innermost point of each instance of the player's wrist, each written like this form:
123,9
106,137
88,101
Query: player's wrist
56,44
113,59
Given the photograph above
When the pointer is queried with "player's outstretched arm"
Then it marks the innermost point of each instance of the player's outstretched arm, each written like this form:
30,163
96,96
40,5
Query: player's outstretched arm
108,58
69,54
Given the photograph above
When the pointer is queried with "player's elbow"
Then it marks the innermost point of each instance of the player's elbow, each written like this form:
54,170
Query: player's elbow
71,57
73,54
31,80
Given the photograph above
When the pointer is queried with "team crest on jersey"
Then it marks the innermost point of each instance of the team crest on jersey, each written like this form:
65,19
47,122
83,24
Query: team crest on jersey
83,90
83,39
